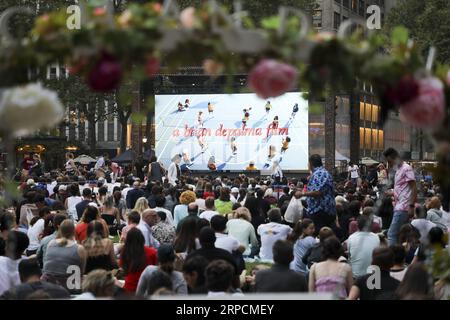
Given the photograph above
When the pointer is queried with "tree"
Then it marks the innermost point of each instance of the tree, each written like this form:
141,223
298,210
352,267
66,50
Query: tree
427,22
258,9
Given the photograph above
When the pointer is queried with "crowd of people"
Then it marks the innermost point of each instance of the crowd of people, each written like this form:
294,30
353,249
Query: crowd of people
151,232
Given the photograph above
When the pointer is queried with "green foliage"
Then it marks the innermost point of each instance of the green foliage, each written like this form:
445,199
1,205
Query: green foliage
427,22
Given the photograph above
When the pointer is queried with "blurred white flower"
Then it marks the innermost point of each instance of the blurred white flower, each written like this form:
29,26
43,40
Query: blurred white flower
26,109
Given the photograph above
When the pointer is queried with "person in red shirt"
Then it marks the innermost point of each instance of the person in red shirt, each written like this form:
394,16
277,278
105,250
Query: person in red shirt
134,258
208,191
27,163
91,213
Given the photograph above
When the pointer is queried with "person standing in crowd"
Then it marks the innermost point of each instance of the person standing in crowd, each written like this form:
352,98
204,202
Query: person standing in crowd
71,167
331,275
279,278
156,170
353,173
360,246
174,171
363,288
320,195
271,232
139,167
382,177
405,193
134,194
134,258
166,261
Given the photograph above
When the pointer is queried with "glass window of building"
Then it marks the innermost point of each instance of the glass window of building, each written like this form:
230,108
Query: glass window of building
346,3
361,110
362,8
380,139
367,139
375,110
368,113
375,139
361,138
354,5
336,20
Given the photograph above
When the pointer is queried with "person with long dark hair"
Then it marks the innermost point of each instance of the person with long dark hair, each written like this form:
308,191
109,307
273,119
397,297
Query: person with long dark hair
416,285
185,240
252,204
134,258
99,249
166,263
331,275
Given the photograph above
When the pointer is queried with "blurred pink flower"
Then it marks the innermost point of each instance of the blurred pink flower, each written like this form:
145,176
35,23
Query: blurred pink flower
105,75
187,17
271,78
404,91
152,66
448,78
427,110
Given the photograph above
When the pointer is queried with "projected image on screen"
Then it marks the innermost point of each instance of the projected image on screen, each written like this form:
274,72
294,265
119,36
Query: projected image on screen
228,132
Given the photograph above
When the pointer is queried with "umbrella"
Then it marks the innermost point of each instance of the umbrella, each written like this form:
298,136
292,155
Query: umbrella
84,159
127,156
368,161
340,157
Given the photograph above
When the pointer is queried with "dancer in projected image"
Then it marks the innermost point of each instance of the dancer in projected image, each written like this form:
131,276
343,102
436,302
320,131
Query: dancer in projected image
180,107
294,111
233,145
246,117
210,110
212,163
276,172
187,103
186,159
268,106
270,157
202,143
285,144
272,126
200,118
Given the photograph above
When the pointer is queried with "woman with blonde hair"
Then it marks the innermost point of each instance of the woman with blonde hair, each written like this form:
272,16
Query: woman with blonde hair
63,254
99,284
435,214
181,210
141,205
241,228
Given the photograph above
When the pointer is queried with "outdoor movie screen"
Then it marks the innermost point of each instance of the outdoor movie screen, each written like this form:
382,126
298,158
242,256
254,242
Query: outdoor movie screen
232,130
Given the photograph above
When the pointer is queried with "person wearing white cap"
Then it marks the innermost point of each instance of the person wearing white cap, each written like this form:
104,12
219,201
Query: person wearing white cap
234,195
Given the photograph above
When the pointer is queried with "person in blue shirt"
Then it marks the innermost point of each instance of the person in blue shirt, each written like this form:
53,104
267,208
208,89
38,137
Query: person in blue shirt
320,195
